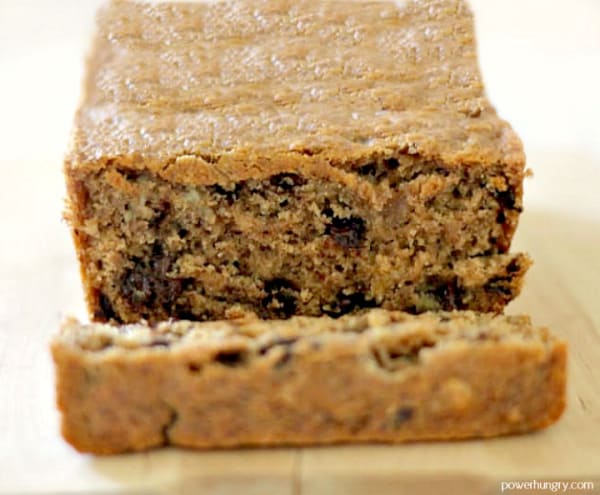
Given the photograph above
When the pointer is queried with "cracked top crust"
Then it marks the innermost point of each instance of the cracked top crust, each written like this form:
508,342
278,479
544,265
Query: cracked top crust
206,93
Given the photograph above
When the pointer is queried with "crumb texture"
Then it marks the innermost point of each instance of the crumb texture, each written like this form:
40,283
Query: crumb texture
290,245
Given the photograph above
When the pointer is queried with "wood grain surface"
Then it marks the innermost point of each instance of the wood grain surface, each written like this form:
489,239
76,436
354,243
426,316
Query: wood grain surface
541,63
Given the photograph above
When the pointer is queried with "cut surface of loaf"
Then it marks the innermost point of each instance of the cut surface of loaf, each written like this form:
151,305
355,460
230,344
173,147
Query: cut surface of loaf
379,376
291,158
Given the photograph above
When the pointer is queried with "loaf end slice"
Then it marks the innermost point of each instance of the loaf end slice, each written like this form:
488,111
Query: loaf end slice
376,377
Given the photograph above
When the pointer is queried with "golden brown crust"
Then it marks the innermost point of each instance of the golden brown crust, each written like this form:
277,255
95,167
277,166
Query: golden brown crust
382,376
212,93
